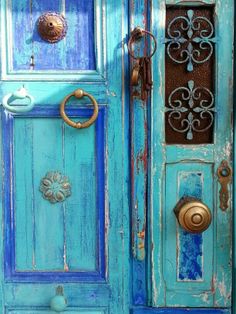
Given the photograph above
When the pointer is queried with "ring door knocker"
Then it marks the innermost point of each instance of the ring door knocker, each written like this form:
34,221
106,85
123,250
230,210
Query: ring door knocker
142,70
21,93
79,93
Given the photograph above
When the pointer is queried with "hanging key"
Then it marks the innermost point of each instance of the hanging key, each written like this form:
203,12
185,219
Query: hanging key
148,73
135,73
146,77
141,72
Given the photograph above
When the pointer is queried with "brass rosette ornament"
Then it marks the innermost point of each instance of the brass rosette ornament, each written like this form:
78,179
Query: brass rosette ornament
52,27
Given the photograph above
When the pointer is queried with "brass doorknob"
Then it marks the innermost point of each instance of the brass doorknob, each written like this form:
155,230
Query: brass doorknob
193,215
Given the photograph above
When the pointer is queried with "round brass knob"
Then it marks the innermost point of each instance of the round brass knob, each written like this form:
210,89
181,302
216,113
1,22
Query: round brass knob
193,215
52,27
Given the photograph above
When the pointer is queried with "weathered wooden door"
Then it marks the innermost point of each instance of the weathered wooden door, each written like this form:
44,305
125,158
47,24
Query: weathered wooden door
69,194
181,159
65,203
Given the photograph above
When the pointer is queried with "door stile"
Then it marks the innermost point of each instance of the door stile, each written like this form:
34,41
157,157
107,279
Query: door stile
139,170
117,207
224,11
157,159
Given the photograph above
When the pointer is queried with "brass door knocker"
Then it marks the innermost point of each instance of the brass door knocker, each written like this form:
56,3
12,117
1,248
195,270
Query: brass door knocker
142,67
79,93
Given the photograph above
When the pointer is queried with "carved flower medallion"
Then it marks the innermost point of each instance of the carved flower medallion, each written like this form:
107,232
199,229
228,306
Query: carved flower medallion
55,187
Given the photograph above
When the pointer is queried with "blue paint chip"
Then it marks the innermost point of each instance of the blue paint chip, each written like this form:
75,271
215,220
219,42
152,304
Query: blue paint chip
190,263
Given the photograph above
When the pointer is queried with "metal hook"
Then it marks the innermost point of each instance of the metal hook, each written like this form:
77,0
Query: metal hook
136,34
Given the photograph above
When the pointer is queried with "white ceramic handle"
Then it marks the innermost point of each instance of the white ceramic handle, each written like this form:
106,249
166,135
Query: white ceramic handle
21,93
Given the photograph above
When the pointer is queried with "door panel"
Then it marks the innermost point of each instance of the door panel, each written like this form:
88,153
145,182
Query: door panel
80,54
192,261
32,233
85,311
191,170
65,221
79,233
177,268
70,54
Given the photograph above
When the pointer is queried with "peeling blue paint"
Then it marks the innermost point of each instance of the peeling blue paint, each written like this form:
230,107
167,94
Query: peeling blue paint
190,245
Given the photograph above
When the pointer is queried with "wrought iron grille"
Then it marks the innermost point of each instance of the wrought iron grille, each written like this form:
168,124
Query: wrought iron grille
190,104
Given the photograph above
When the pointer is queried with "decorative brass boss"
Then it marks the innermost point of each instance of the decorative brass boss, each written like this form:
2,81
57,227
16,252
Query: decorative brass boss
193,215
52,27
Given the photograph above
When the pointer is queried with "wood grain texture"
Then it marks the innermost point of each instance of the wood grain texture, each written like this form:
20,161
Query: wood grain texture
80,54
123,174
181,311
84,207
74,52
79,243
139,169
187,262
217,258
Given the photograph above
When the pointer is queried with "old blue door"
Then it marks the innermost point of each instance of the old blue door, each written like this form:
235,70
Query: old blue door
181,157
65,228
131,214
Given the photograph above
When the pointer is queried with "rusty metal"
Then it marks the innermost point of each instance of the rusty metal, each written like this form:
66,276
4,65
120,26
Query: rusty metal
224,173
79,93
135,74
142,70
193,215
176,75
52,27
136,35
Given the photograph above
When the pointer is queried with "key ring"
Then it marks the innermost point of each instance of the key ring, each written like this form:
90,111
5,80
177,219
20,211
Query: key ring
137,34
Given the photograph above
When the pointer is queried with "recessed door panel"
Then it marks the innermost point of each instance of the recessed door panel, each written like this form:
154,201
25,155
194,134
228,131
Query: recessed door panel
36,219
192,262
74,53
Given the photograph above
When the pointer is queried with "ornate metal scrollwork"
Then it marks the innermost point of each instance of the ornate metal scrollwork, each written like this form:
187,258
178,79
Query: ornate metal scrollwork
55,187
190,39
190,109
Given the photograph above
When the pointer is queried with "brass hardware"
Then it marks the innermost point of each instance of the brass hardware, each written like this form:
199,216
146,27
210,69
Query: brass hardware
135,74
193,215
142,68
79,93
224,173
55,187
136,34
52,27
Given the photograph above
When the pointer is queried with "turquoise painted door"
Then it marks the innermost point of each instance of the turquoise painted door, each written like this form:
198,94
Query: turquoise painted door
65,202
88,216
180,138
